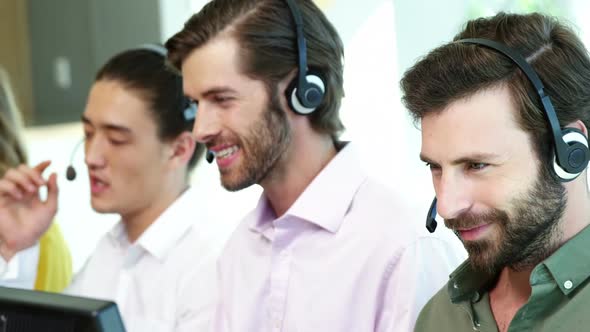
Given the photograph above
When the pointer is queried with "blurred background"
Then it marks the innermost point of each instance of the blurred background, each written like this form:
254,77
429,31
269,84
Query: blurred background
52,49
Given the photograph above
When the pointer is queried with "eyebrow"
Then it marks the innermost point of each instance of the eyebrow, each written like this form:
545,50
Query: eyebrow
218,90
475,157
108,126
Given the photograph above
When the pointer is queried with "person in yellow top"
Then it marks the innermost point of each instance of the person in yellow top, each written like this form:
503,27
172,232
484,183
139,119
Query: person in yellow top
48,265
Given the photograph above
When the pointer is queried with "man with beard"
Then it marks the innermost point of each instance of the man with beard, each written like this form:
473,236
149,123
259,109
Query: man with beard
504,110
327,248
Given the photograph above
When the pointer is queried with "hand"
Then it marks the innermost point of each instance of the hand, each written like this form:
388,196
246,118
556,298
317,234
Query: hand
24,217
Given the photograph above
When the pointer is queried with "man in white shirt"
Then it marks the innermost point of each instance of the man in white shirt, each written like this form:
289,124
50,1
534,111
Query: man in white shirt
158,262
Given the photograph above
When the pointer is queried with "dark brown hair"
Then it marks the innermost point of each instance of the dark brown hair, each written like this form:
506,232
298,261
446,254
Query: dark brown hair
265,31
457,70
145,72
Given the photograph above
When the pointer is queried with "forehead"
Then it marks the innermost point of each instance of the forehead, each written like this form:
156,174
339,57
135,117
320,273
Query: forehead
111,103
484,122
215,65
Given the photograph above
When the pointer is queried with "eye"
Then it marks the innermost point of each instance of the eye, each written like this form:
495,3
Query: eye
116,142
477,166
222,99
432,166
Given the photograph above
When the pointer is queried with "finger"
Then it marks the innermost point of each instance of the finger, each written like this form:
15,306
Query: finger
21,179
40,168
33,174
52,192
8,188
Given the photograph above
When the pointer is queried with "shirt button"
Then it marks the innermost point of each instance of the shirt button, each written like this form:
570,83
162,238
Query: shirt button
568,284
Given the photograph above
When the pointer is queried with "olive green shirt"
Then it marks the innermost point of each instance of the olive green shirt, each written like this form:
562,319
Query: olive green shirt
560,298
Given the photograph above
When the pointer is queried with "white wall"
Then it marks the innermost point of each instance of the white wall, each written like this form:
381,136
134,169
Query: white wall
175,13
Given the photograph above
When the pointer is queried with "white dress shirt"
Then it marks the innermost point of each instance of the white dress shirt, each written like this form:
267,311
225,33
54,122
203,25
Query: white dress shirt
165,281
21,270
348,256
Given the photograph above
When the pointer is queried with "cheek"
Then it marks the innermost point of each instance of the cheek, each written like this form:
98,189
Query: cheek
243,117
240,127
502,197
243,133
493,194
135,162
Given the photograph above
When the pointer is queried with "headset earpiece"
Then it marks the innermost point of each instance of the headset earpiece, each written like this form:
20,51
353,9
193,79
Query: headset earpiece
577,155
305,100
190,109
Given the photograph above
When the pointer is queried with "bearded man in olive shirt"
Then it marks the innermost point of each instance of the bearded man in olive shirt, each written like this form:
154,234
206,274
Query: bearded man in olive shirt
505,111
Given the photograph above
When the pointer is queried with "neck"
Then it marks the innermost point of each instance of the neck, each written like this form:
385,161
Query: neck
511,292
136,222
513,285
577,213
306,157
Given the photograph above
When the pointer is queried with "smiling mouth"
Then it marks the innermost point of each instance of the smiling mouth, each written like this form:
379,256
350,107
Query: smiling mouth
227,152
472,233
226,156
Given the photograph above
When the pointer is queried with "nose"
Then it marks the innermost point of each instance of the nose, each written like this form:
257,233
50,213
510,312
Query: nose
453,195
207,124
94,153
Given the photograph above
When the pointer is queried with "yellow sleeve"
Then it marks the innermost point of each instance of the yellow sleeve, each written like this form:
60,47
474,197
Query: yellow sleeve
54,271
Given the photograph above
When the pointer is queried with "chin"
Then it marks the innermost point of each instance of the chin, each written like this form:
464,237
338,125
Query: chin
234,185
101,207
485,256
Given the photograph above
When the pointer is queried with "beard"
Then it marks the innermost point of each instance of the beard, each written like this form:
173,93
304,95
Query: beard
262,148
523,237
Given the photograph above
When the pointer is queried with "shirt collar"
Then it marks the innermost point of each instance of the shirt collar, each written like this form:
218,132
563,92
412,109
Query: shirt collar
326,200
262,216
118,235
164,233
465,283
570,264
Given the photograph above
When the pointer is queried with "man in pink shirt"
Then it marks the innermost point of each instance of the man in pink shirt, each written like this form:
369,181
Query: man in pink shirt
327,248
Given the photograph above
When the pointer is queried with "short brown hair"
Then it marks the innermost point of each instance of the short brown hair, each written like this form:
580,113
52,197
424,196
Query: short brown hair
457,70
266,34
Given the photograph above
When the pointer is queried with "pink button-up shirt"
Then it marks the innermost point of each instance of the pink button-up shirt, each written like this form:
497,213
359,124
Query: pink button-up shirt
349,255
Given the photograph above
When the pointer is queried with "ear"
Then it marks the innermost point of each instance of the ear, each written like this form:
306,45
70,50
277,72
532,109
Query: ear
182,149
579,125
282,89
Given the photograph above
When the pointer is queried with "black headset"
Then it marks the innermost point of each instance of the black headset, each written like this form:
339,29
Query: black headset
571,146
189,109
306,92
